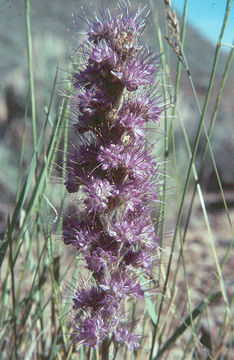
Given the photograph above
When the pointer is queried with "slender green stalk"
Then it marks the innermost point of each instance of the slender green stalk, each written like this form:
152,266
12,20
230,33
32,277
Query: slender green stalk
15,348
162,209
179,66
40,181
178,73
165,93
31,74
20,171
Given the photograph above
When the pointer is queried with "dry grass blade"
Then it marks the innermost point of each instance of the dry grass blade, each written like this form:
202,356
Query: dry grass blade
174,32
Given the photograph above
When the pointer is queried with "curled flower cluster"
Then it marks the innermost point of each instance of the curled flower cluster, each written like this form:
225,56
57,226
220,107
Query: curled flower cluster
114,98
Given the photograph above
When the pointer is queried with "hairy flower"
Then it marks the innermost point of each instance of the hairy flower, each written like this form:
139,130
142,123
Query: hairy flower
133,160
133,230
98,192
92,330
104,55
80,164
113,169
79,234
99,260
122,285
143,106
122,335
89,298
135,72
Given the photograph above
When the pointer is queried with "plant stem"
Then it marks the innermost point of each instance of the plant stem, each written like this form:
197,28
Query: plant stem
30,70
105,349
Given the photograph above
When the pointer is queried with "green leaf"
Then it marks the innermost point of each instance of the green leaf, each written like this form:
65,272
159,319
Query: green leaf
151,310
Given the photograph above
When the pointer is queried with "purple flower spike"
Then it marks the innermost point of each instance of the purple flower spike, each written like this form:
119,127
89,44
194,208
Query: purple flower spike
112,174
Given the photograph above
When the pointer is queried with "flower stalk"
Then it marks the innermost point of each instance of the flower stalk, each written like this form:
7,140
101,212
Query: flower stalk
114,97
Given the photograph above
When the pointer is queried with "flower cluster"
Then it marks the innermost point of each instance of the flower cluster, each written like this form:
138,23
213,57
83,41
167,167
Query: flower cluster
113,168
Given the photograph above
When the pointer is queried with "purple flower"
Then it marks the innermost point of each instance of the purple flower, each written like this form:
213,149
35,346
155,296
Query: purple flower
104,55
110,156
122,336
114,173
143,106
92,331
122,285
132,125
132,230
133,160
80,164
139,258
91,100
121,33
98,193
99,260
136,72
89,298
79,234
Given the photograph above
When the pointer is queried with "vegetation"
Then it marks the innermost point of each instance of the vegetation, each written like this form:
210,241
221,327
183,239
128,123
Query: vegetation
36,276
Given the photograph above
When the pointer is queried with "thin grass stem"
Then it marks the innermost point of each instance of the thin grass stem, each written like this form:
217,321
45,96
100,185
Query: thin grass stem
31,73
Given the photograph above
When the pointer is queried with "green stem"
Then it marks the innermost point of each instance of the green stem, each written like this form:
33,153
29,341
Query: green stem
10,239
167,147
30,69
